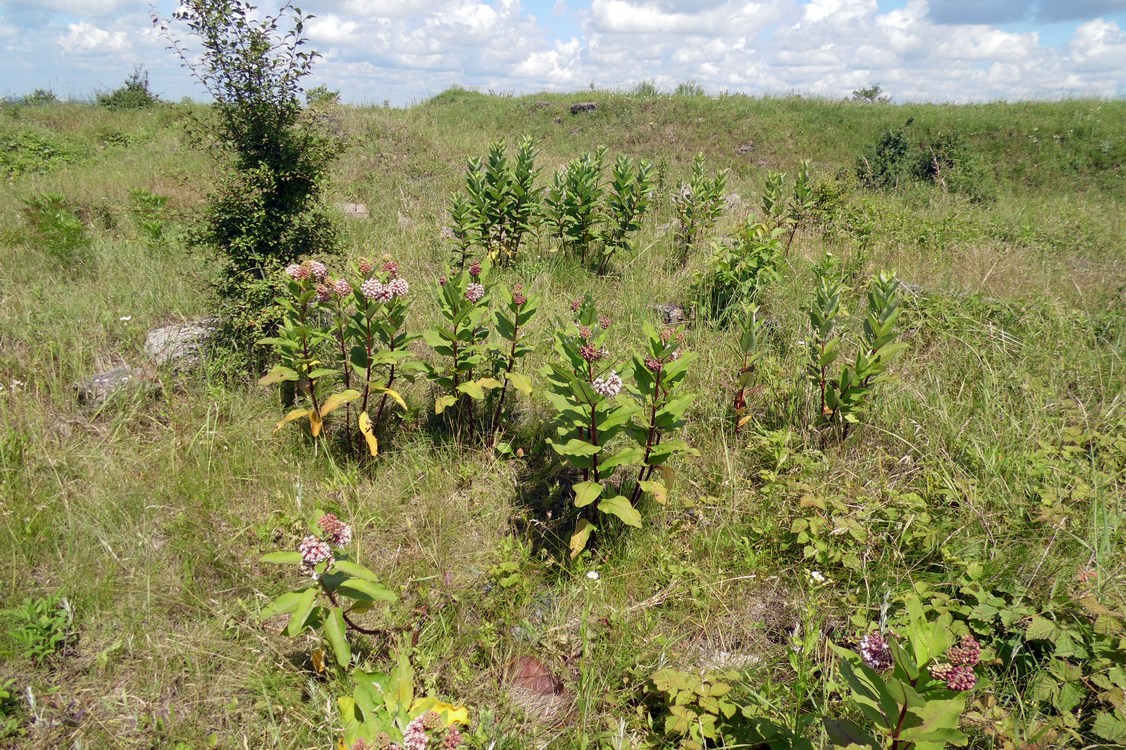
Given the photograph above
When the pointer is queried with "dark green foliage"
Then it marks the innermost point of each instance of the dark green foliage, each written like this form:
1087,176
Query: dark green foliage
40,96
885,163
737,272
944,159
266,212
33,152
40,626
133,94
56,226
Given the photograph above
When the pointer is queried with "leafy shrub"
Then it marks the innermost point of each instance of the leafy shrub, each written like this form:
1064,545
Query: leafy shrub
40,626
583,388
736,273
328,577
11,720
887,162
840,399
340,333
133,94
266,212
698,204
502,199
27,152
943,160
40,96
320,96
59,230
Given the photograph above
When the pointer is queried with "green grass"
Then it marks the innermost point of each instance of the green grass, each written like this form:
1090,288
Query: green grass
150,517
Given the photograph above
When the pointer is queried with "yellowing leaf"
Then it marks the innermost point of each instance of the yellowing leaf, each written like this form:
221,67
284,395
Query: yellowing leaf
745,419
336,400
394,396
579,539
295,414
657,490
368,432
444,402
450,713
315,422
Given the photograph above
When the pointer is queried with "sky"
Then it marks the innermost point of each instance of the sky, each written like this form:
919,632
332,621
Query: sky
405,51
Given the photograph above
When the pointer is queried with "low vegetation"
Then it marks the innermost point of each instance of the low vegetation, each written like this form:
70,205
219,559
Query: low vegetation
685,422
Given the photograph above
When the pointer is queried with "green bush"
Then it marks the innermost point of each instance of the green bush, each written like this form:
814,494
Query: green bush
133,94
266,211
58,229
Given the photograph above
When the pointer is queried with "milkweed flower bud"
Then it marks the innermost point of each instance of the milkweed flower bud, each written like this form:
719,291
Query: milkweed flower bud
966,654
366,267
342,288
320,270
392,268
475,269
961,678
452,740
340,532
589,353
324,292
604,321
474,292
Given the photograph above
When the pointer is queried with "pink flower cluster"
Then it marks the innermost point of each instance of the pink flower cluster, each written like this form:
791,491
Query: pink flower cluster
339,532
963,657
609,386
313,552
474,292
875,652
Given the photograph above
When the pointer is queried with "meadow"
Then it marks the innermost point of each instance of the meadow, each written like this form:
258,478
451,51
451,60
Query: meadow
984,481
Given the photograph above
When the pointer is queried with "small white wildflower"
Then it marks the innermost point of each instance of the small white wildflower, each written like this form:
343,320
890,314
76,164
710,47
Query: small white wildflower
592,575
125,318
816,577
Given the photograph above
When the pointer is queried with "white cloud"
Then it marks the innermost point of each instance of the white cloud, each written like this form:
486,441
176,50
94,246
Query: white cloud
725,18
87,39
85,8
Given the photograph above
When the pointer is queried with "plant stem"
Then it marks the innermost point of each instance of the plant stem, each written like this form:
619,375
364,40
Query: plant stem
507,369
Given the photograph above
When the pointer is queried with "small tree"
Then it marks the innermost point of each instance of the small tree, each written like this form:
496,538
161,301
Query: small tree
870,95
266,211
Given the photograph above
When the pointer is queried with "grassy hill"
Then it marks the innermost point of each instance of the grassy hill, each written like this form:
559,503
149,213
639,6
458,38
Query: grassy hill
987,478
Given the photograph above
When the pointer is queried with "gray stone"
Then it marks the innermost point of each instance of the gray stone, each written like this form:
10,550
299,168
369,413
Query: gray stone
357,210
98,390
583,107
671,314
747,148
733,201
180,346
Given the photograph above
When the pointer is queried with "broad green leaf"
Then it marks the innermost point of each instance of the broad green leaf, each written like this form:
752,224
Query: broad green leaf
336,400
301,612
583,530
360,588
576,447
586,493
936,721
337,638
620,506
1111,727
520,382
843,733
279,374
355,570
368,431
282,558
282,605
473,390
293,415
623,457
400,688
1040,629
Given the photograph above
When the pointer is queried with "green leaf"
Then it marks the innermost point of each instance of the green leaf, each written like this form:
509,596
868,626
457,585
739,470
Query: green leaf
360,588
473,390
623,457
284,604
576,447
586,493
400,688
1111,727
354,570
1041,629
843,733
520,382
335,632
279,374
936,721
656,490
620,506
282,558
302,611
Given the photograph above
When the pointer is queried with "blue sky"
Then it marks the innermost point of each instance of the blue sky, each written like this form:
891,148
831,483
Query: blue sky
404,51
